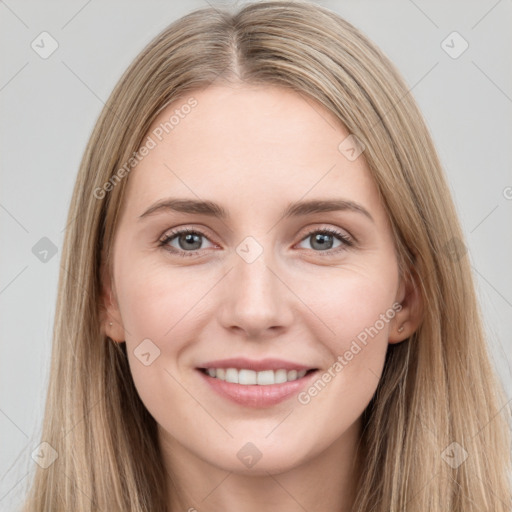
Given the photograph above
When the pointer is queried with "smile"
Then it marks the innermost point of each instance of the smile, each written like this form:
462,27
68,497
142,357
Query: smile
248,377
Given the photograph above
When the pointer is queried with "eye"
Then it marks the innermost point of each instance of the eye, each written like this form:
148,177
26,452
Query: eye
188,240
322,240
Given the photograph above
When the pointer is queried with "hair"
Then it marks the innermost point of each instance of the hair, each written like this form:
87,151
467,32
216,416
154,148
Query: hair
437,387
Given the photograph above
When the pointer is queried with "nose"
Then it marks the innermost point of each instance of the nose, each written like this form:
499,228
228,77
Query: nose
256,301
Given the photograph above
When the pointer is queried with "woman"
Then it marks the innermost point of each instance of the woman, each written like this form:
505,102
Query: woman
318,346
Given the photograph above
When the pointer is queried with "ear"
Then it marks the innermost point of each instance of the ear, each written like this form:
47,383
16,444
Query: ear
409,317
110,316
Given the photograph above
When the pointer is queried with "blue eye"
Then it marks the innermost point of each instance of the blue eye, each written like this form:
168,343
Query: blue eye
186,238
190,241
323,240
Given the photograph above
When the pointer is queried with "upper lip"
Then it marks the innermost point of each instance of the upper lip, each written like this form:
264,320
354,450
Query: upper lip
259,365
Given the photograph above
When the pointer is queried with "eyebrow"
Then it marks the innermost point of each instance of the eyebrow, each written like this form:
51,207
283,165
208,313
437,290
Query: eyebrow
295,209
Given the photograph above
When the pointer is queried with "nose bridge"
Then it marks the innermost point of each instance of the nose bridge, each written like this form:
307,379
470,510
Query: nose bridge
252,268
256,298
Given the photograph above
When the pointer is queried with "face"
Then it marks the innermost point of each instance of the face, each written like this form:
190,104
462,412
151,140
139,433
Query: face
316,290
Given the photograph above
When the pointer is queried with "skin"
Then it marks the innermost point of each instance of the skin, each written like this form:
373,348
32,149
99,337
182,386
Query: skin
254,150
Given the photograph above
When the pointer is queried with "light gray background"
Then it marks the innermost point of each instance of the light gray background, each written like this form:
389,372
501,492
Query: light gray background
49,107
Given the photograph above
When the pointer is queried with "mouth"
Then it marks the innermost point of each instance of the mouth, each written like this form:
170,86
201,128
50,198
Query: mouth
256,384
248,377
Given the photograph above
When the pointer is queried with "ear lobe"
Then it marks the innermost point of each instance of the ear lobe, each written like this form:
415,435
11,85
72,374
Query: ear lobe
409,318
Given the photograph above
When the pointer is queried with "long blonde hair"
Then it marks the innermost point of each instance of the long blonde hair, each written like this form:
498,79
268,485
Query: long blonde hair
438,387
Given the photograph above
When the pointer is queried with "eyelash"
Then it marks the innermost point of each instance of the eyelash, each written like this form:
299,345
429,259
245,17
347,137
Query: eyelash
346,241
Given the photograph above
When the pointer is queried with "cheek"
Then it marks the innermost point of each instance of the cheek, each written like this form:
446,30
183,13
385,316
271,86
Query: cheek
352,303
163,311
155,300
357,308
159,309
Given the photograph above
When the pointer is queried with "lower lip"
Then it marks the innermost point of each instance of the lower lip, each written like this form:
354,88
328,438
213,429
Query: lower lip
254,395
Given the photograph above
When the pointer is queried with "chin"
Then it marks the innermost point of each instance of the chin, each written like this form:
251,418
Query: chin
259,459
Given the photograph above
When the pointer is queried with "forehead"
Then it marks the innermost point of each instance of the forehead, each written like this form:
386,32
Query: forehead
244,143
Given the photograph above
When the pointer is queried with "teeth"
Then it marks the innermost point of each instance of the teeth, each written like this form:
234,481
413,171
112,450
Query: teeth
251,377
280,376
232,375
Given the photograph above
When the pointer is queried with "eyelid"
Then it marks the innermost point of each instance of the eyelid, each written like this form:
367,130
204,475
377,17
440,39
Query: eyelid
171,232
334,230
